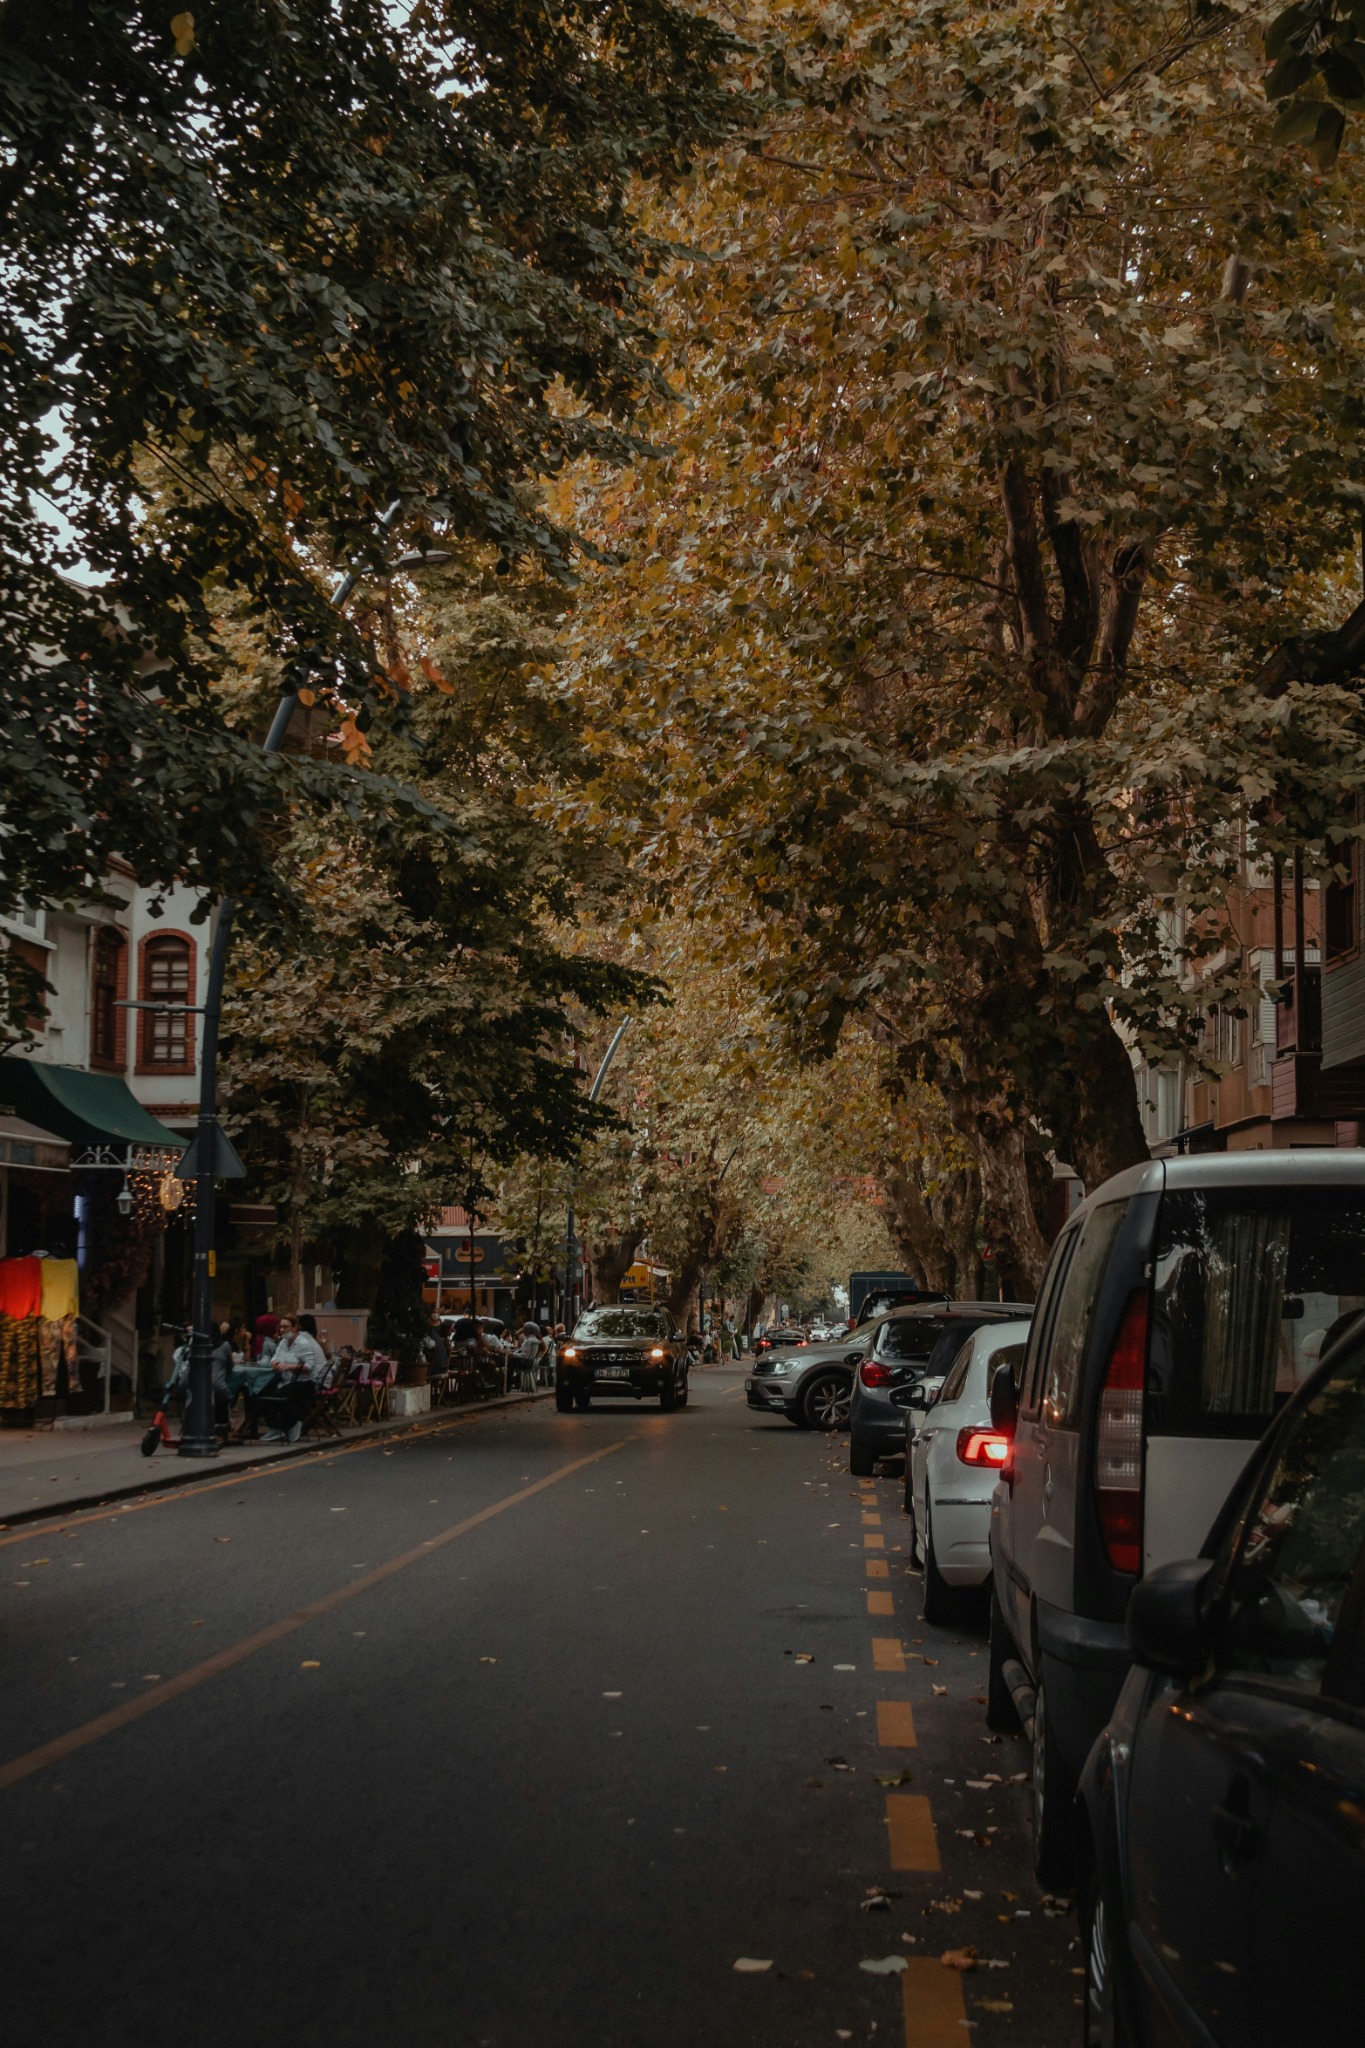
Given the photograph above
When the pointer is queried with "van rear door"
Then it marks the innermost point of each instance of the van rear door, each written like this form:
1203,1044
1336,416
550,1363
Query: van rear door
1249,1285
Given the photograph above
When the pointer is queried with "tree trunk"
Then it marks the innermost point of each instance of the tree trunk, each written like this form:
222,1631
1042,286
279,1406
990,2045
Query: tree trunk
683,1293
610,1259
1021,1250
1106,1134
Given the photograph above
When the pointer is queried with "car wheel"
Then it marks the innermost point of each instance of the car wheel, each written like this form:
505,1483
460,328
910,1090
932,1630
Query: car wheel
942,1602
1001,1712
668,1396
1104,2024
862,1464
582,1402
564,1400
825,1401
1053,1793
682,1397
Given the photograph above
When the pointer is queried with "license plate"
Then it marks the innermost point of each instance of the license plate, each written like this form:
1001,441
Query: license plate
612,1372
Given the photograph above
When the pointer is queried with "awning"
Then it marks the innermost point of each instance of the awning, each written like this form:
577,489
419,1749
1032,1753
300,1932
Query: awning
97,1114
24,1144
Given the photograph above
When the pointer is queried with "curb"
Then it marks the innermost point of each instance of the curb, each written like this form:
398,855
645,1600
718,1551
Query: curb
209,1468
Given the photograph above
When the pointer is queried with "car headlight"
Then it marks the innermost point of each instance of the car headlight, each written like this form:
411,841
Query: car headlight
658,1352
777,1365
568,1352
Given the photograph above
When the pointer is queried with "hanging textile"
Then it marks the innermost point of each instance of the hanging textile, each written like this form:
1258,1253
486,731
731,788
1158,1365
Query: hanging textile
18,1359
21,1287
61,1289
49,1352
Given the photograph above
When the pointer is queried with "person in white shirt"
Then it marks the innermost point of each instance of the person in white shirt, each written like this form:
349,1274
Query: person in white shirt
300,1362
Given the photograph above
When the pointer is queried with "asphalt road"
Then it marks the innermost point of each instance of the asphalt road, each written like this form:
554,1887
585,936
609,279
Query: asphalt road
522,1732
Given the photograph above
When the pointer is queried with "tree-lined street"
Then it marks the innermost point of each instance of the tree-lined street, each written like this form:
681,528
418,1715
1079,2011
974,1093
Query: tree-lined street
550,1779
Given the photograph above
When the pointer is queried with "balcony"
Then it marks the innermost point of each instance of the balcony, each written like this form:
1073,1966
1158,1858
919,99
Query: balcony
1298,1018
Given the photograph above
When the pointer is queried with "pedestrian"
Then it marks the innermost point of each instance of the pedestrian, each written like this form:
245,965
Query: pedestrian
528,1355
300,1362
267,1329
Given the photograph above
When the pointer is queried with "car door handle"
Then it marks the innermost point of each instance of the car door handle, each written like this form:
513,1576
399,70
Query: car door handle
1235,1832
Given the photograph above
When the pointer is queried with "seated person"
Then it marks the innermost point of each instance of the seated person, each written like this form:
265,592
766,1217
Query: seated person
300,1363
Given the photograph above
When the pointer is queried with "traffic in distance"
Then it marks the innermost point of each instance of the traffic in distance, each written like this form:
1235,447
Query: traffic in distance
1151,1486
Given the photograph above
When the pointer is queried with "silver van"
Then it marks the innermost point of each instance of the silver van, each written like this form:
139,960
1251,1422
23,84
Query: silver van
1183,1304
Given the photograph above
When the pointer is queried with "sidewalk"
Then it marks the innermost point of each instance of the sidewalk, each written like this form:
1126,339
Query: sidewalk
49,1472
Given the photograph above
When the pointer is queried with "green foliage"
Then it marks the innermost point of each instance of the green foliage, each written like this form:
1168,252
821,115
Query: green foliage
273,267
1316,45
400,1320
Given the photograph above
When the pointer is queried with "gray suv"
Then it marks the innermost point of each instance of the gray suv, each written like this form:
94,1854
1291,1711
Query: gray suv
1183,1304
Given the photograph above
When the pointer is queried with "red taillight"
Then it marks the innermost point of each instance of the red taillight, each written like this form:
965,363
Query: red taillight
875,1374
1118,1440
983,1447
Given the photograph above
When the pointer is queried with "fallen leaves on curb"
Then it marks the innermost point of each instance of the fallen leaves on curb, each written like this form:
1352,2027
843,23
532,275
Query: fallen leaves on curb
752,1966
938,1690
963,1959
994,2005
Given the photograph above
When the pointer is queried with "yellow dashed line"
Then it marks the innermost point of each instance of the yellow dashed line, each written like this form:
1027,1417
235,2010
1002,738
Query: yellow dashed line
874,1543
872,1521
896,1724
878,1568
935,2010
910,1826
880,1603
887,1654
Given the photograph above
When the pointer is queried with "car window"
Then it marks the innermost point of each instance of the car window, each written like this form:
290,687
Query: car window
1301,1542
957,1374
1075,1315
1042,1321
1012,1355
622,1322
910,1337
1250,1284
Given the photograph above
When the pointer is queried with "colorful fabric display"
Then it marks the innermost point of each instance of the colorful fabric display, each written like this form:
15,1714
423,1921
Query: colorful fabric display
18,1357
61,1289
21,1287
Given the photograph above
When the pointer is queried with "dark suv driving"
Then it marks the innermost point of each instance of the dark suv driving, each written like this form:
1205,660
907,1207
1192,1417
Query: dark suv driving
623,1350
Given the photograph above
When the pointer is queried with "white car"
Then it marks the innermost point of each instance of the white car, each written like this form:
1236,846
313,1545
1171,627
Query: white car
952,1469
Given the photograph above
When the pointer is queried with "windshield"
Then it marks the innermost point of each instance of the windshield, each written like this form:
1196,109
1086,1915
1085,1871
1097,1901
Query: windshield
623,1322
1249,1286
913,1337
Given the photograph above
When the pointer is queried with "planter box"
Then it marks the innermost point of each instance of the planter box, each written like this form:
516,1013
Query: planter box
409,1400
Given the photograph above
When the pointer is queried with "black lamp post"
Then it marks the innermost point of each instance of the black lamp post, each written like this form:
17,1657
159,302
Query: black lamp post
569,1252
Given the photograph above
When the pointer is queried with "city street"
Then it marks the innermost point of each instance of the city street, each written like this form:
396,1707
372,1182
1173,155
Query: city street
526,1731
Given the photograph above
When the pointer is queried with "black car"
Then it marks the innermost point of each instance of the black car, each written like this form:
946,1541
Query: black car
623,1350
906,1361
783,1339
1221,1814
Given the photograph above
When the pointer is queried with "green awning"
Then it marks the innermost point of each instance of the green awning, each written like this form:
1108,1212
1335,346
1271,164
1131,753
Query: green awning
86,1109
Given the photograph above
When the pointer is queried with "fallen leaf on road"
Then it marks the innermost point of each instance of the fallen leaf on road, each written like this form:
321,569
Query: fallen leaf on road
815,1784
978,1699
196,1624
876,1902
958,1959
981,1784
488,1660
751,1966
941,1906
973,1895
1054,1907
883,1966
994,2005
1019,1778
805,1657
843,2033
839,1763
222,1539
994,1963
846,1667
806,1976
310,1664
611,1695
901,1778
938,1690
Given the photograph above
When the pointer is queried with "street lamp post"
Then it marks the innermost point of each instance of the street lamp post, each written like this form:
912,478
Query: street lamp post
213,1154
593,1094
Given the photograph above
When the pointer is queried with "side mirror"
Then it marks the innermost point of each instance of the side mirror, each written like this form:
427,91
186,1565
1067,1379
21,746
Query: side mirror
1166,1626
1004,1400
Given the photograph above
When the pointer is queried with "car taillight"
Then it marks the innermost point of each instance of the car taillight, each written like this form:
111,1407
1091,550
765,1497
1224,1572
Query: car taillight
875,1374
1118,1440
983,1447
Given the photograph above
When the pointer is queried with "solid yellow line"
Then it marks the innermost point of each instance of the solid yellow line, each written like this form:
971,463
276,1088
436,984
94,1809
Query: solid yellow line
874,1543
887,1654
878,1568
63,1746
273,1468
880,1603
896,1724
935,2010
910,1825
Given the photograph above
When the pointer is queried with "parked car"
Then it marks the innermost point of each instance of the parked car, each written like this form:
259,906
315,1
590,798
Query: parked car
811,1385
1182,1305
623,1350
878,1300
951,1466
1221,1820
780,1339
903,1367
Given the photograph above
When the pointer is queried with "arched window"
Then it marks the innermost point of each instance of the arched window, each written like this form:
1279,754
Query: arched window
108,1036
167,1035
